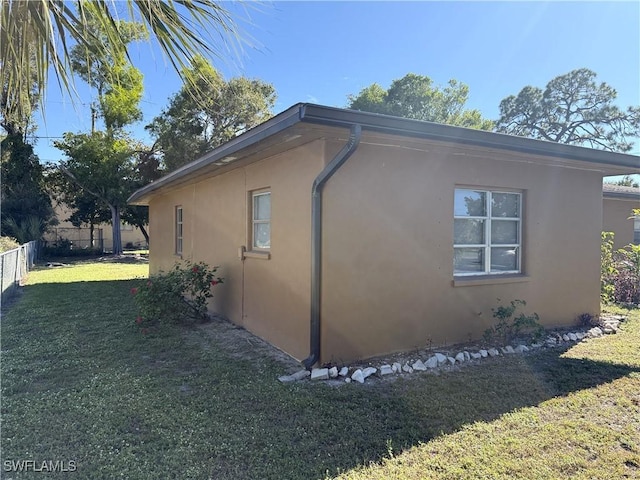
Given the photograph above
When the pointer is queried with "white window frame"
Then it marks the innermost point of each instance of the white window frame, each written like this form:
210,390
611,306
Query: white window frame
487,245
179,223
254,221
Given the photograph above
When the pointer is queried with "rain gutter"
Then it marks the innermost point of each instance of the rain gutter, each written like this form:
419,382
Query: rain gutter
316,240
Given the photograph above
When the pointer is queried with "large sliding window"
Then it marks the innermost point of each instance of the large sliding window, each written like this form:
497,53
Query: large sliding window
487,232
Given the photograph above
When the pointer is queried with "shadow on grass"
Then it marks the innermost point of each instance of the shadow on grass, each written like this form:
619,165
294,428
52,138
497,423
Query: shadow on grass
72,355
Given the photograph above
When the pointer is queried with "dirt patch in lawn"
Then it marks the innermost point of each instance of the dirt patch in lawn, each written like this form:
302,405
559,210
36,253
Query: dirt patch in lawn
241,344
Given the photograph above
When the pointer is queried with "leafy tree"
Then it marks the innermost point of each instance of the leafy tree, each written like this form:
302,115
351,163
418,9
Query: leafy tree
415,96
627,181
572,109
35,36
207,112
26,206
103,165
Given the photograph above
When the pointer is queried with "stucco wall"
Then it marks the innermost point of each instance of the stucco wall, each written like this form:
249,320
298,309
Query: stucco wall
388,281
615,218
268,297
388,247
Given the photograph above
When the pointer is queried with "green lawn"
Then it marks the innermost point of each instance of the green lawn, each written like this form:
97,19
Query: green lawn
80,382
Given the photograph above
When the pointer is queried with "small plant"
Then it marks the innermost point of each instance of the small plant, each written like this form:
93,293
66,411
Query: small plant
509,326
586,320
608,270
178,296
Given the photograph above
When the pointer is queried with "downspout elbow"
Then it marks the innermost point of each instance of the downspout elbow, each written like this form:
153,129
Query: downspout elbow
316,240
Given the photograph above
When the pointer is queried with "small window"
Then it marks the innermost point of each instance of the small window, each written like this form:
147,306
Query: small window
179,230
261,220
486,232
636,230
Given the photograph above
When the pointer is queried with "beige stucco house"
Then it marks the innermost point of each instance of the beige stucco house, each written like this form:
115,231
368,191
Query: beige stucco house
343,234
617,213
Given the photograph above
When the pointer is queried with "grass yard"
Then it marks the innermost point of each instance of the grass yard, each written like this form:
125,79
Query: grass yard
81,383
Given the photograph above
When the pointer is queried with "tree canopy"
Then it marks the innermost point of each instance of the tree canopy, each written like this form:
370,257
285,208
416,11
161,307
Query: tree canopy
36,35
26,206
207,112
415,96
572,109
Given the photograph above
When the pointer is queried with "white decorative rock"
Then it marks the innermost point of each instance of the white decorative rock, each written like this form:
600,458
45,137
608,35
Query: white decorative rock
460,358
419,366
406,368
573,337
396,367
299,375
565,337
344,371
367,372
483,353
521,349
537,345
386,370
595,332
452,360
493,352
476,356
347,380
508,349
432,362
358,376
608,330
467,355
441,358
580,335
333,372
320,374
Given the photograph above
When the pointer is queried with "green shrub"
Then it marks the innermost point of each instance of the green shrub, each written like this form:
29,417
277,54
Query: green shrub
177,296
64,248
8,243
608,269
509,326
620,275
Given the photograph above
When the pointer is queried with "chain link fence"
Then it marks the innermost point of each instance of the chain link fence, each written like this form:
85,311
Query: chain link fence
14,266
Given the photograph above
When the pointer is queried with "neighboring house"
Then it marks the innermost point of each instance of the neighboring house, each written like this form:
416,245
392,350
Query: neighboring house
80,237
617,213
344,235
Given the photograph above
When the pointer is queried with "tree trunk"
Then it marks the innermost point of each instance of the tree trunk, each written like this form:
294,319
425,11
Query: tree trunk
144,232
115,222
91,228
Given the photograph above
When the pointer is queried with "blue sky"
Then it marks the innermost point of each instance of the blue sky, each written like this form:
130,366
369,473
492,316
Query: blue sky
321,52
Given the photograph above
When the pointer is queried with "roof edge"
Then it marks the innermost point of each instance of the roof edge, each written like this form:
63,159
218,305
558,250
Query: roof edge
338,117
272,126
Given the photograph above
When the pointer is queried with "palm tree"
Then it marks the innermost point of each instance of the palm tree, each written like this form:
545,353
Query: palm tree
36,35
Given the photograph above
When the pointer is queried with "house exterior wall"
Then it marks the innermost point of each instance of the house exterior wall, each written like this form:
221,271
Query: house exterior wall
615,218
388,282
269,297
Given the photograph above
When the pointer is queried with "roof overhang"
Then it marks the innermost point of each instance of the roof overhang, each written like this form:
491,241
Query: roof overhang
294,127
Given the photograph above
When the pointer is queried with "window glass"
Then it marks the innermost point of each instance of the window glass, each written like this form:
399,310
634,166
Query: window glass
261,220
486,232
504,259
468,231
262,206
505,205
504,232
468,260
470,203
262,235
